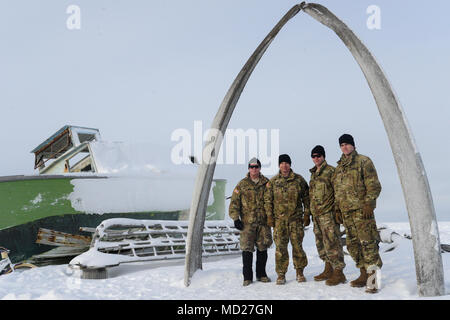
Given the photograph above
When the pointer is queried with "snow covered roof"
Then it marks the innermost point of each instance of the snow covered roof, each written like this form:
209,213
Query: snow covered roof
64,143
61,132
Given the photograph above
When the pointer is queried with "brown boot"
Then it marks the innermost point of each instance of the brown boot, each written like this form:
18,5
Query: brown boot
336,278
247,283
281,279
361,281
300,277
264,279
371,290
326,274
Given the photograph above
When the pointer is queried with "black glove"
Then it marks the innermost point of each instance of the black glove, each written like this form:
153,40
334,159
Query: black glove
338,216
367,211
238,224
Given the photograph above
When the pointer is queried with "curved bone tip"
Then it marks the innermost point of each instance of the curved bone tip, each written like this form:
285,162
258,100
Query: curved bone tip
313,8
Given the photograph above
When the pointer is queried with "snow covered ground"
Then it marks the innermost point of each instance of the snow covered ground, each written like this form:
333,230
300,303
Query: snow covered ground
222,279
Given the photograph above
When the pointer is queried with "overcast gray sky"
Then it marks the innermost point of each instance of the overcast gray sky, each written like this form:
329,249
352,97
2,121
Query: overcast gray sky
138,70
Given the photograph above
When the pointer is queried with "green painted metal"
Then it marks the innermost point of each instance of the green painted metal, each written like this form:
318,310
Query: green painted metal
28,203
28,200
216,211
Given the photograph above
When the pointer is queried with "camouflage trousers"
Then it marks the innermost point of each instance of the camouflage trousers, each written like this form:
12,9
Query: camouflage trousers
328,240
255,234
362,239
284,232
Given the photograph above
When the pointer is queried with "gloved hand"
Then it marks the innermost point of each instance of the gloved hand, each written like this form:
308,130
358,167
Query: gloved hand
306,220
367,211
270,221
338,216
238,224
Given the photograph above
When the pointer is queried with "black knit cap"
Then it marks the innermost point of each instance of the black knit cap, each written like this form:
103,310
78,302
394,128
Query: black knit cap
284,158
346,138
318,150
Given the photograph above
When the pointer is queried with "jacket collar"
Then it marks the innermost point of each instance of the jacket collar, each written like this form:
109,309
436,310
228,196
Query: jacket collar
289,177
321,168
345,161
262,178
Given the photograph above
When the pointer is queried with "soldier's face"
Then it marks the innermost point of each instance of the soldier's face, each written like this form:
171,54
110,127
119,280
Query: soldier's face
285,168
317,159
347,148
254,171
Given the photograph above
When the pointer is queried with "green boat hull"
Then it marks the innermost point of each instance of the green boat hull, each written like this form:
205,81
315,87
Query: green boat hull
28,203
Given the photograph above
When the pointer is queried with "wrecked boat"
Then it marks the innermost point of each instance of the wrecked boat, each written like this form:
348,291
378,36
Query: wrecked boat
83,180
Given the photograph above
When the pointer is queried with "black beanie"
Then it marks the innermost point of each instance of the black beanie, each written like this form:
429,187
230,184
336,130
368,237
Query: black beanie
346,138
318,150
284,158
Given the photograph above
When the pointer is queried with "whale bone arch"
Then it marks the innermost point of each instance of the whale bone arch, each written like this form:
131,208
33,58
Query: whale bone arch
416,190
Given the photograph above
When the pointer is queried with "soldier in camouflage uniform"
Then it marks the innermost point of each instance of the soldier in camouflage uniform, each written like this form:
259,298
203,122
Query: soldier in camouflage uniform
356,188
247,211
326,230
287,205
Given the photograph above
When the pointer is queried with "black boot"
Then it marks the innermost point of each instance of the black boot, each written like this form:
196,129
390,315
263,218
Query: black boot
247,269
261,260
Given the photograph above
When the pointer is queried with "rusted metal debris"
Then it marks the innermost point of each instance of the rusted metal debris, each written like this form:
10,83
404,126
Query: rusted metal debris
67,246
62,239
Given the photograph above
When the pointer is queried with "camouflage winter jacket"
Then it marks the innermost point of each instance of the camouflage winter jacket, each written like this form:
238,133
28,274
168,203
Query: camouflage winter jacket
247,201
321,193
355,182
287,197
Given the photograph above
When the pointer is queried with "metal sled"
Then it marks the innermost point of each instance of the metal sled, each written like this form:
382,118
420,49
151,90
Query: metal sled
117,241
